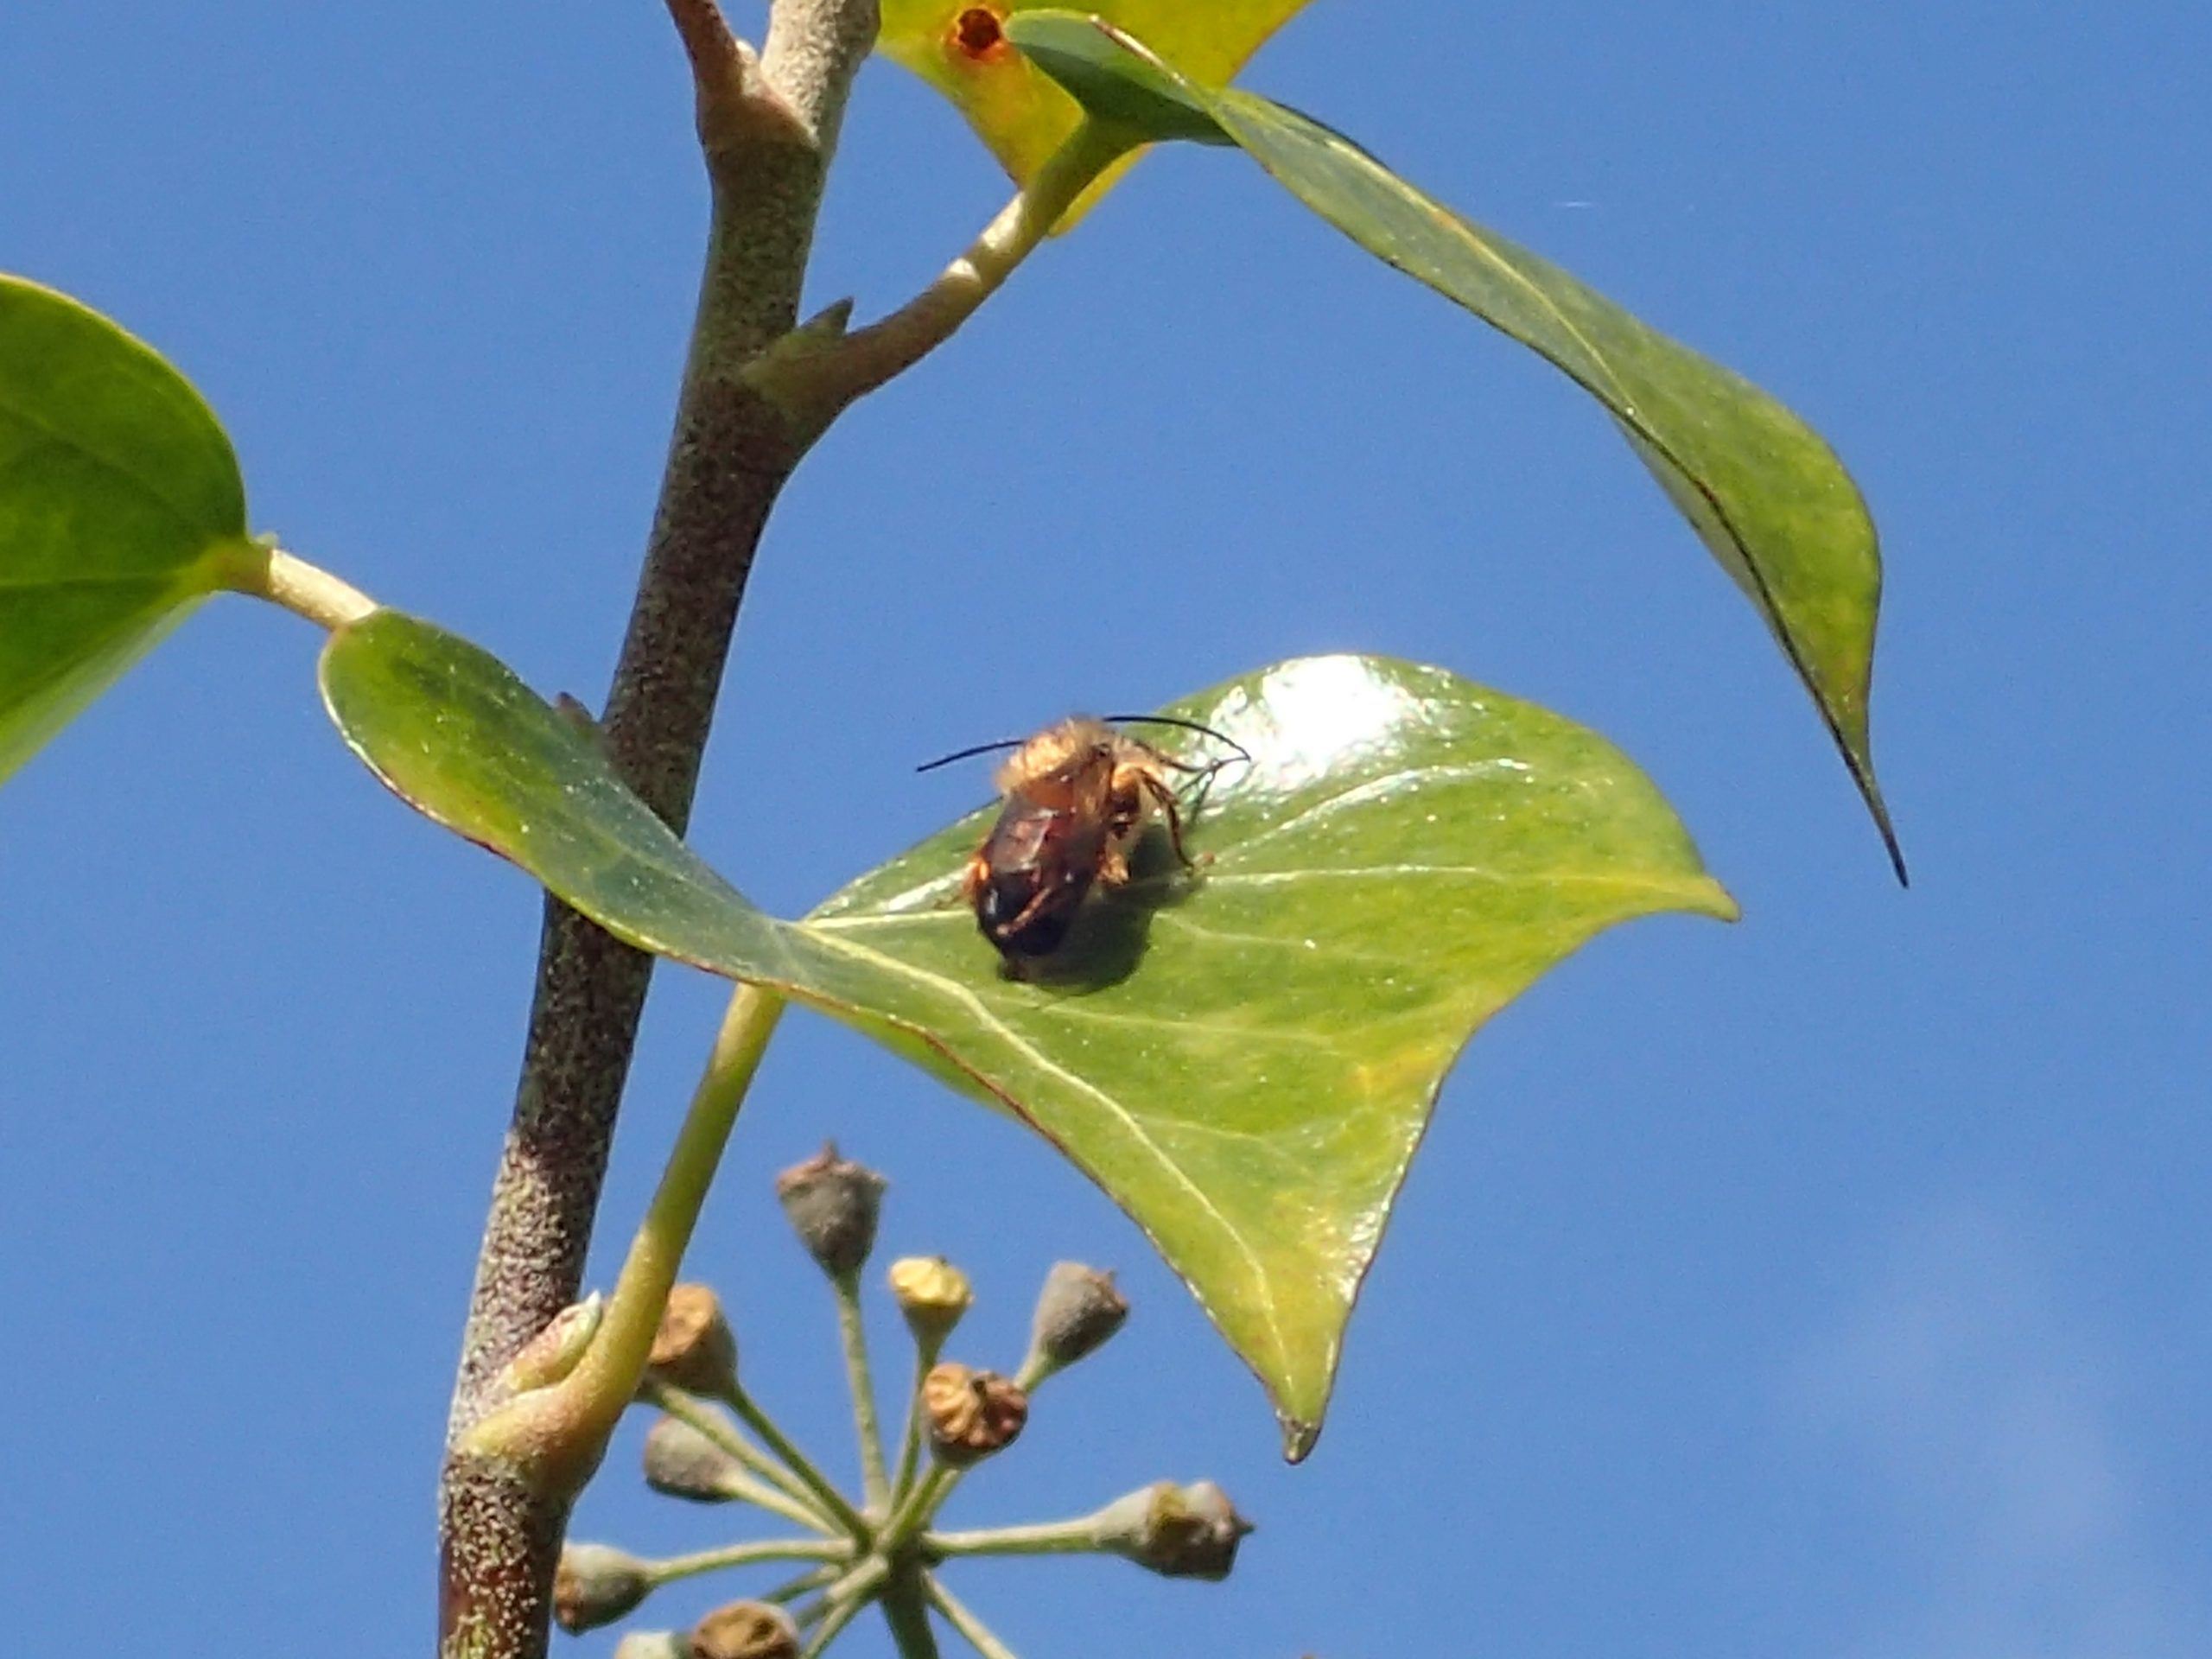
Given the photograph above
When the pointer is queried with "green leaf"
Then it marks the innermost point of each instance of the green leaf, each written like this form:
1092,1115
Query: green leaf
1023,116
1244,1059
120,507
1762,491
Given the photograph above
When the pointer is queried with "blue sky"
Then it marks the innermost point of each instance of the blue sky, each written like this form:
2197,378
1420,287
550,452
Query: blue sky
1833,1284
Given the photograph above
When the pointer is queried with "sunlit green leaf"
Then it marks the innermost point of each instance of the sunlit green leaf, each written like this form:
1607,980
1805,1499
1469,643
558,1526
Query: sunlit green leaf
1244,1059
1764,493
120,505
1022,115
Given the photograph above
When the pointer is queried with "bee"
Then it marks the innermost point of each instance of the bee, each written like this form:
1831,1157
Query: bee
1079,796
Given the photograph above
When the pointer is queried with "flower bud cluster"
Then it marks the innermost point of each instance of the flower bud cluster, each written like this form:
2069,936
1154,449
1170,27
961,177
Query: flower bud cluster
960,1415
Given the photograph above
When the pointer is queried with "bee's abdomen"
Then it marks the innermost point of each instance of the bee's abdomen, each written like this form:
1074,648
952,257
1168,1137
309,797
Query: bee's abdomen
1031,874
1008,911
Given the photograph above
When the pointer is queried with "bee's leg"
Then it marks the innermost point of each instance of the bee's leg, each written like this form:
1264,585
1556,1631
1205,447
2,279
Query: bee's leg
975,882
1164,797
1027,913
1125,805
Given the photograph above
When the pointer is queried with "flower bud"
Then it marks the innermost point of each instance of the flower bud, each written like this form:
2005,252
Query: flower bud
832,1204
694,1350
971,1414
746,1629
654,1644
595,1584
1178,1532
681,1461
932,1294
1076,1311
553,1352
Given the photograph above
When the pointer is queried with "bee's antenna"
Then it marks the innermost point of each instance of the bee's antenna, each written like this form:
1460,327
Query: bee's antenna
1244,753
971,752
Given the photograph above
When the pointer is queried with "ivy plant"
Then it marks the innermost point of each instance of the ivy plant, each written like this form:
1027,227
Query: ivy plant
1240,1046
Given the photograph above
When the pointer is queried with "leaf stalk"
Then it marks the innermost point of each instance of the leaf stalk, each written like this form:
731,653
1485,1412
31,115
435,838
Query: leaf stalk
560,1431
814,375
305,589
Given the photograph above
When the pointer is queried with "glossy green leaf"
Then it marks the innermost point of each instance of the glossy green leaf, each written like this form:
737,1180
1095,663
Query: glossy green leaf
1765,494
1244,1059
120,507
1024,116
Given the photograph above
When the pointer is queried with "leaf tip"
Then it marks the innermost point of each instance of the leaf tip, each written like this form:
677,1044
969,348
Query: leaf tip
1861,765
1720,904
1890,842
1299,1435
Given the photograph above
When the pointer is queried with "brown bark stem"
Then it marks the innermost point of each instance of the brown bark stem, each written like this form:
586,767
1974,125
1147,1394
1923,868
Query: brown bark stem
768,128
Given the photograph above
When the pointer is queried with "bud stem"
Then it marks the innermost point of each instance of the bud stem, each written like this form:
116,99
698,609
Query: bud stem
979,1634
920,1502
1074,1537
765,1549
910,1438
840,1603
875,1482
818,1484
792,1588
788,1498
834,1617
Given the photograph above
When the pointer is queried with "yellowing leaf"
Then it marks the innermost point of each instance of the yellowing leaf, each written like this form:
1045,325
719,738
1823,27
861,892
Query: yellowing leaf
1020,112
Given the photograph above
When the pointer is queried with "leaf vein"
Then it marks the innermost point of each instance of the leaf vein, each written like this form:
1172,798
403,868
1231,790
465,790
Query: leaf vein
60,440
1357,793
1129,1121
1213,1027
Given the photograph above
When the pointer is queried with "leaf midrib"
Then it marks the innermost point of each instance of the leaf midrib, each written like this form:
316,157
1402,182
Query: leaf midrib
1021,1045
